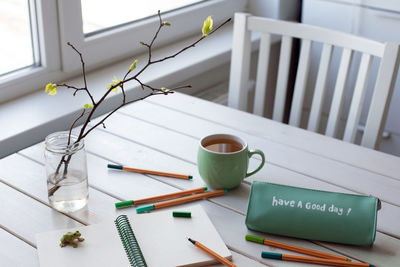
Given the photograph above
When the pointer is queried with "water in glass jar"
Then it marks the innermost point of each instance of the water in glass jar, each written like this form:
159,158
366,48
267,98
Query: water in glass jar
72,192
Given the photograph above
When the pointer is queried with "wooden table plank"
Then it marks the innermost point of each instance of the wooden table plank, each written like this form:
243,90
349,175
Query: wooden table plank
122,151
131,188
25,217
104,209
121,126
15,252
161,147
32,180
365,158
27,227
334,172
171,143
237,199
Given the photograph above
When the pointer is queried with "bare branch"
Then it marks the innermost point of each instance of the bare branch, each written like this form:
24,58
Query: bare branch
83,133
73,125
191,45
154,91
83,73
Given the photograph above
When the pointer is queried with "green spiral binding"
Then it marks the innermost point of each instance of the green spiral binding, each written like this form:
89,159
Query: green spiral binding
129,241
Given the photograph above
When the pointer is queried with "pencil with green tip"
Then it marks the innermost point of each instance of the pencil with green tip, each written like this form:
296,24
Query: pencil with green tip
298,249
130,203
167,174
178,201
313,260
212,253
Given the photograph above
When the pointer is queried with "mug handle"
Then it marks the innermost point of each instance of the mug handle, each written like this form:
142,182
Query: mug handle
250,154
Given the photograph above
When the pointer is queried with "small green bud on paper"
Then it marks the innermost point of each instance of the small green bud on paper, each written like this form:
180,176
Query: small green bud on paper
133,65
207,26
51,89
166,23
163,89
86,106
142,43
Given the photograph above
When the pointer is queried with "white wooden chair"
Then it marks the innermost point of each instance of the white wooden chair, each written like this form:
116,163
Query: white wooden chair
388,53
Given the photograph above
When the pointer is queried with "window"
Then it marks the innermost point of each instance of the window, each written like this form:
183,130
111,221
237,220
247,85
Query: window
96,16
49,25
16,49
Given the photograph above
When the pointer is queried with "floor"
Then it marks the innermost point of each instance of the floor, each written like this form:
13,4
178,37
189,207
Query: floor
217,94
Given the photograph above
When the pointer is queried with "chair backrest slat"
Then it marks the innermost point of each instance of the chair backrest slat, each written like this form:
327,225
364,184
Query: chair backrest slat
339,93
262,74
381,96
349,44
319,92
283,77
358,99
300,84
240,66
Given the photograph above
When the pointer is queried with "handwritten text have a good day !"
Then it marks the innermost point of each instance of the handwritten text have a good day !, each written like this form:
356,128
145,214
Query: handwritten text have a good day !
322,207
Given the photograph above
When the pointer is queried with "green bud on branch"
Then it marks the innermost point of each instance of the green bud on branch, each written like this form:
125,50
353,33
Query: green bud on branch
86,106
207,26
133,65
115,81
51,89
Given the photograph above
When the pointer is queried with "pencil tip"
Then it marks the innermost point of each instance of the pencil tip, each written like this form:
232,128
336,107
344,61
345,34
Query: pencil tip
191,240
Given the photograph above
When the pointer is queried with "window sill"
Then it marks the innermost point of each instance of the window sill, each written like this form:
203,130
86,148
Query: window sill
27,120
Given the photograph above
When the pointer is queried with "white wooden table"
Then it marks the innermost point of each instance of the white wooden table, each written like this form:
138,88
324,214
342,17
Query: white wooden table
163,133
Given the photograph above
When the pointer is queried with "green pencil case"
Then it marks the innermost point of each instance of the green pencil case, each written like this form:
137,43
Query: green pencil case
312,214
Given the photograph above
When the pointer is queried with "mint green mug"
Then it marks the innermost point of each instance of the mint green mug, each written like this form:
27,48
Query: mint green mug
223,160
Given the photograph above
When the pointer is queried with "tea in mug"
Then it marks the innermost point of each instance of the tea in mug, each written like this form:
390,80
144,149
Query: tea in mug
223,145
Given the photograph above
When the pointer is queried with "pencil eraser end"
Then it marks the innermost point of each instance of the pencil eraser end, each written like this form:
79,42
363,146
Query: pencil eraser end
205,188
190,177
145,208
255,239
124,204
225,191
113,166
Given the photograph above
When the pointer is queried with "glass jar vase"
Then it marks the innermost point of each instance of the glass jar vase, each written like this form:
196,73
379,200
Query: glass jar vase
66,171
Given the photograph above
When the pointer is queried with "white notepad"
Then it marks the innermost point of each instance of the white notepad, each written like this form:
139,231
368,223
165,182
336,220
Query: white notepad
162,239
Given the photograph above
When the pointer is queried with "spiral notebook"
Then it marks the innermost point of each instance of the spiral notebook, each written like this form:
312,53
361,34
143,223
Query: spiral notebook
161,238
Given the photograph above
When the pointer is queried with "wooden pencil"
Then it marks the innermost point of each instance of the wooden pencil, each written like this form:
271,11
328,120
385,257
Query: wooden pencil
313,260
298,249
212,253
178,201
167,174
129,203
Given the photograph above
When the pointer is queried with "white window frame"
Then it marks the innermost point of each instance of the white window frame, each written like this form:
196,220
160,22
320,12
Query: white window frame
186,21
56,26
45,34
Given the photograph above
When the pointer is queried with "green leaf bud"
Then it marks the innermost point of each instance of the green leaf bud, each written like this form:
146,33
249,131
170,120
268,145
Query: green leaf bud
133,65
51,89
115,81
207,26
86,106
